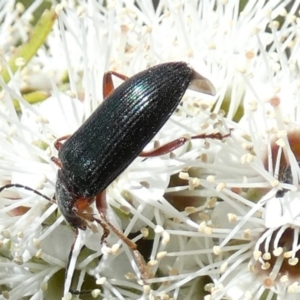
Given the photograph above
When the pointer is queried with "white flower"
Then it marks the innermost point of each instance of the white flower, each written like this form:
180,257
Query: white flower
214,225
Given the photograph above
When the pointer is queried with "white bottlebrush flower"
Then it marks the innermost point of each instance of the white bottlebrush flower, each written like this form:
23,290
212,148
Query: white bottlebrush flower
218,219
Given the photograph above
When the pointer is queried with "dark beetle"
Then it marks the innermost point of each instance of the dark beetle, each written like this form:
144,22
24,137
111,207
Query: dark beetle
118,130
113,136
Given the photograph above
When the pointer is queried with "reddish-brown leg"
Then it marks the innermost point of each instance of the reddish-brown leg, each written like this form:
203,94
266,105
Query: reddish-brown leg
58,143
173,145
56,161
80,207
108,85
102,207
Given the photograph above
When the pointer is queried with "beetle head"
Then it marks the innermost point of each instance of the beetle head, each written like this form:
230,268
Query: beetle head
66,200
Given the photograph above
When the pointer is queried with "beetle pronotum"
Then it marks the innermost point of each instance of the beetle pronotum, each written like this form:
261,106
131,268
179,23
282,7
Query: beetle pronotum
114,135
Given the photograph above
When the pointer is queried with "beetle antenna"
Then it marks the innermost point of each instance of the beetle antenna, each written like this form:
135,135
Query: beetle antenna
17,185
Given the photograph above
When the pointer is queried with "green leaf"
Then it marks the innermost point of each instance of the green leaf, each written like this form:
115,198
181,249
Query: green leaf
32,98
36,39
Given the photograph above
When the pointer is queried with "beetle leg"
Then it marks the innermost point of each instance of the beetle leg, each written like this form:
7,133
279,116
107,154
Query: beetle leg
101,207
57,161
83,203
108,85
173,145
58,143
80,206
215,136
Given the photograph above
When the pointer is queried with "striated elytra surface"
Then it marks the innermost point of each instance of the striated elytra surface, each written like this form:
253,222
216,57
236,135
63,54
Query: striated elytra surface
119,129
